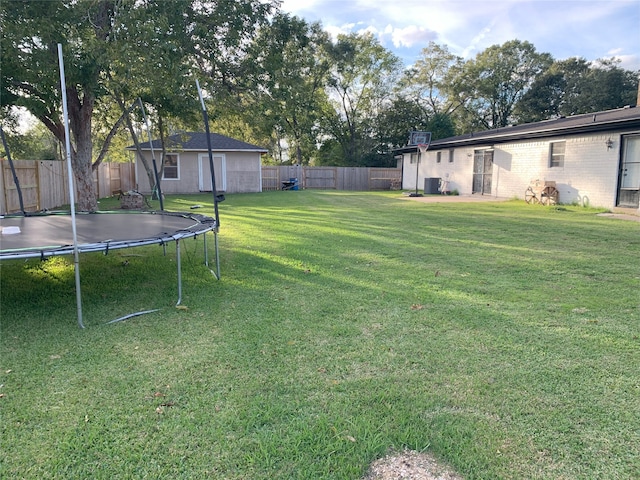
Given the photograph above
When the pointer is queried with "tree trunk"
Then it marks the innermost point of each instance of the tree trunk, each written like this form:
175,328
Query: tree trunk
87,199
148,169
80,113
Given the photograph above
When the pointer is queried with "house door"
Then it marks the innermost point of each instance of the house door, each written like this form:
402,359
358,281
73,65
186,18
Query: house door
629,177
204,172
482,171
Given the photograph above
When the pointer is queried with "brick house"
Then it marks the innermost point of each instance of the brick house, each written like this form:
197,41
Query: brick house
593,158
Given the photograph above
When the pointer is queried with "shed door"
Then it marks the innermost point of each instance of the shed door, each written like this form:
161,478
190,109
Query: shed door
629,178
204,172
482,171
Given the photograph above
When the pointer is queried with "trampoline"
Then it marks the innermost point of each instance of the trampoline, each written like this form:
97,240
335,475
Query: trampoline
50,234
47,234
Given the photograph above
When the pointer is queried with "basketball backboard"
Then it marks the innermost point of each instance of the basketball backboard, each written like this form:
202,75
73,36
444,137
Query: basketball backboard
419,138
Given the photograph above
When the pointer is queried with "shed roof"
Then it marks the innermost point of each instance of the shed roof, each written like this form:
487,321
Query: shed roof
197,142
605,121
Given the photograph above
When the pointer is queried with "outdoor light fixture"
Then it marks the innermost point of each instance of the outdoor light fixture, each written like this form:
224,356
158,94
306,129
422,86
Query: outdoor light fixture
609,144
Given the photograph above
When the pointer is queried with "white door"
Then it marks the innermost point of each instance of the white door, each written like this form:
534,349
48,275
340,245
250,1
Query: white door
629,190
204,172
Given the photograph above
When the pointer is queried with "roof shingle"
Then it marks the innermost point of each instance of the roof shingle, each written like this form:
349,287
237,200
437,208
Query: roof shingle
608,120
196,141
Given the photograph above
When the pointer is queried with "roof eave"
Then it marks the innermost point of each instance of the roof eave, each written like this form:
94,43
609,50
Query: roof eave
484,138
179,150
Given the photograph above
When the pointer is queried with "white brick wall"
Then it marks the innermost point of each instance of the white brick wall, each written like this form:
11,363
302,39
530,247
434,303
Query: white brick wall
589,175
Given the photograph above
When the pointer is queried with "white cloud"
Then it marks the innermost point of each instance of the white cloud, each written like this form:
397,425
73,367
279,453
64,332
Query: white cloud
335,30
564,28
370,29
472,47
628,62
410,36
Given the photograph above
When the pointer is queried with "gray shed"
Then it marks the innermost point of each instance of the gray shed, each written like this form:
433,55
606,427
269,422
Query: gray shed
185,166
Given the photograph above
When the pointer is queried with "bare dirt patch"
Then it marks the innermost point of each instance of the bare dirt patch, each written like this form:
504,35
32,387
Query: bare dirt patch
411,465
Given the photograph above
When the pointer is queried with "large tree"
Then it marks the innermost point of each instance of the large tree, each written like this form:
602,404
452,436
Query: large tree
426,98
428,81
495,80
30,74
553,92
574,86
148,62
362,78
607,86
288,84
117,50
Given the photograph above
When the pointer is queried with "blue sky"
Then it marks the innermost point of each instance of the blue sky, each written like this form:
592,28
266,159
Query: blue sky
590,29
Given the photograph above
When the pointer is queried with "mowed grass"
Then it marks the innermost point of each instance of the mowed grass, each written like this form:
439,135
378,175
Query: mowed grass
502,337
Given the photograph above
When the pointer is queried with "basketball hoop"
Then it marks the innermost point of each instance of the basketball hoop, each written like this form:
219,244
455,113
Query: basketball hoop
422,149
421,141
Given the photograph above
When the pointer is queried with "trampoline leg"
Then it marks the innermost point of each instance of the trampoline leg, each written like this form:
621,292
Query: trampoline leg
179,272
206,255
78,290
215,235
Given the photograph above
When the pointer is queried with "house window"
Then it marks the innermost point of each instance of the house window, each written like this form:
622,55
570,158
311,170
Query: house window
451,156
171,167
414,158
556,154
439,157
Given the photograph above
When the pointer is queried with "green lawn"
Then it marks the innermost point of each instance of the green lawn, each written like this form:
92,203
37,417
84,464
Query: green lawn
502,337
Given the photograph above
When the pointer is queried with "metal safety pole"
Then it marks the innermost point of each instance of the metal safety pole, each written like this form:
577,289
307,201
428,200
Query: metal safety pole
72,201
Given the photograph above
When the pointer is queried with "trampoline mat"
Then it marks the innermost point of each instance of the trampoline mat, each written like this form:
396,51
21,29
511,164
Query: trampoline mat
45,235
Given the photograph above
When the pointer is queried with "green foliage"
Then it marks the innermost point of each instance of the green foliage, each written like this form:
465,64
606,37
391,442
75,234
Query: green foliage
496,79
575,86
345,325
269,78
441,126
553,92
606,86
361,81
288,78
36,144
429,82
330,153
398,118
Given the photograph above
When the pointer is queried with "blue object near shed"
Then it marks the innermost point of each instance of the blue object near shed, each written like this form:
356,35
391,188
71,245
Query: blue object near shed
292,184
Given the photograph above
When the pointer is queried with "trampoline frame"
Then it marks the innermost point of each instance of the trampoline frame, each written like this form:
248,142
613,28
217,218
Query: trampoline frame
204,224
24,224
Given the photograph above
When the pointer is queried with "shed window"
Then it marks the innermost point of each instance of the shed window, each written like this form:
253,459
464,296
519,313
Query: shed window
451,156
414,158
171,167
556,154
439,157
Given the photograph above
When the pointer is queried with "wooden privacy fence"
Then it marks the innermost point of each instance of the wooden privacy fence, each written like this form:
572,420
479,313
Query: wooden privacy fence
44,184
332,178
